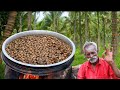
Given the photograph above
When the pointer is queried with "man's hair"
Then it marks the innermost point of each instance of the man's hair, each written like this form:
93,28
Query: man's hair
88,44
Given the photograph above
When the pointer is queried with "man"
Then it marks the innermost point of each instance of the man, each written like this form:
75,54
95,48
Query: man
95,67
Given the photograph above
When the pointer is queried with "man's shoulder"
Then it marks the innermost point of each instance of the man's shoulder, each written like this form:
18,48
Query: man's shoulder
85,63
103,61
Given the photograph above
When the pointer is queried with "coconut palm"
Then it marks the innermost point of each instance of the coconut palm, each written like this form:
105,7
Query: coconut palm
9,27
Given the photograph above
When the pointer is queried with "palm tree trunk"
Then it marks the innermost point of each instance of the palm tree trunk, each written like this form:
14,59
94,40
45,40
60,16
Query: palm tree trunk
10,24
9,27
20,18
29,20
98,41
35,20
54,21
88,22
114,33
58,23
104,31
86,26
80,33
75,28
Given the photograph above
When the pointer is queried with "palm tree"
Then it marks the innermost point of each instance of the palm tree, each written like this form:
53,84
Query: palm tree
3,22
86,26
29,20
51,21
20,22
80,32
114,32
10,24
104,27
75,16
9,27
55,15
98,30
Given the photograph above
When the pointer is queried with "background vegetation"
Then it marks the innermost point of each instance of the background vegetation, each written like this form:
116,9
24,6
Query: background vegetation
102,27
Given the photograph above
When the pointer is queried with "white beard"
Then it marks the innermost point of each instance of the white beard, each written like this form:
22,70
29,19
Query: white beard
93,59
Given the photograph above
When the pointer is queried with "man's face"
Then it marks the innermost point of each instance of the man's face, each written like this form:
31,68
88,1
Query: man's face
91,53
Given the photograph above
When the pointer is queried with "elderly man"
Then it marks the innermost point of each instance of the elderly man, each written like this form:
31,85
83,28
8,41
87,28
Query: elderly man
95,67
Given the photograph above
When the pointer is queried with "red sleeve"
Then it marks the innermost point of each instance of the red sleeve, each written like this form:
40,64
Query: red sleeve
81,72
111,73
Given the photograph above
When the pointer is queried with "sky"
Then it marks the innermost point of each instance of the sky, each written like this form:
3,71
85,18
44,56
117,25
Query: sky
41,16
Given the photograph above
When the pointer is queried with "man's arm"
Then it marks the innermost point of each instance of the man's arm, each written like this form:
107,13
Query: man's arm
108,56
115,69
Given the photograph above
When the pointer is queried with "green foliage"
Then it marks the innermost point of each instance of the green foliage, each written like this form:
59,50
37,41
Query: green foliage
3,21
2,68
117,60
78,58
16,26
65,25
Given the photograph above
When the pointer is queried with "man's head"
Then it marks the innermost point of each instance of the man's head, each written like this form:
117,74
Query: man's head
90,51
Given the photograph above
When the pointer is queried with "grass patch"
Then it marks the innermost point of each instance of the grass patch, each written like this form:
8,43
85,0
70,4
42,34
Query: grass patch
78,58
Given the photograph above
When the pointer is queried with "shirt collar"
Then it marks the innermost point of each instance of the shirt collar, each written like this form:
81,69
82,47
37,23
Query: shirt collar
99,63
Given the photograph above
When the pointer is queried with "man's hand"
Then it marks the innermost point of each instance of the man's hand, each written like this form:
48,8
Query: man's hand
108,55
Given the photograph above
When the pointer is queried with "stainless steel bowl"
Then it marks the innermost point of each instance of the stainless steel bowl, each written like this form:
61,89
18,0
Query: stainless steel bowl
37,32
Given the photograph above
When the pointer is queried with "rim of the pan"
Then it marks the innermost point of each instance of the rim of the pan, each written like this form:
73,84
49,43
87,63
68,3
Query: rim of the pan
32,65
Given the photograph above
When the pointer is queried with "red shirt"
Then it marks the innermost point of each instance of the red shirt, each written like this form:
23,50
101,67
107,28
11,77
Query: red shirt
102,71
